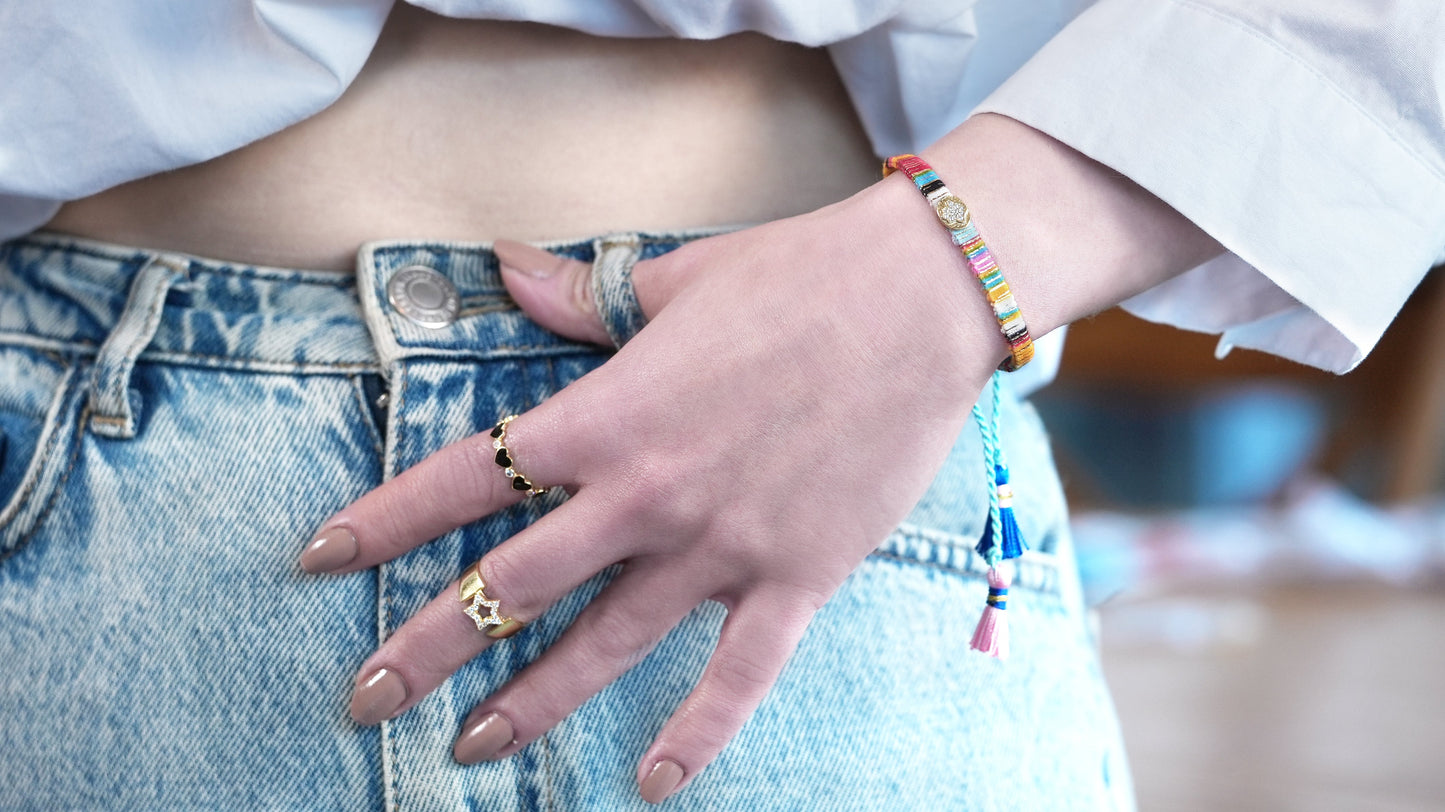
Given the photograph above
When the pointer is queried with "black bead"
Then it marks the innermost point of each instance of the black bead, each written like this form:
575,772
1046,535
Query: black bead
931,187
503,459
520,484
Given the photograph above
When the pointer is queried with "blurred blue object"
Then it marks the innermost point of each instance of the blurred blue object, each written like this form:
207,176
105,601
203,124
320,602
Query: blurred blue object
1230,445
1249,441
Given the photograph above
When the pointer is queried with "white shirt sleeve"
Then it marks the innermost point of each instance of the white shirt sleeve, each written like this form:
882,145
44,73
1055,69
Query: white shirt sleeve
1307,137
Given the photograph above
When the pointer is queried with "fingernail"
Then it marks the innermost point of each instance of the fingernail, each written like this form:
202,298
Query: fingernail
378,697
527,259
329,551
483,740
660,783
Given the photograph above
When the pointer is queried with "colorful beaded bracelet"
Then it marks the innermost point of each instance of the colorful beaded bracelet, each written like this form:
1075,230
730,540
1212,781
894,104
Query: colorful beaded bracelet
1002,539
956,218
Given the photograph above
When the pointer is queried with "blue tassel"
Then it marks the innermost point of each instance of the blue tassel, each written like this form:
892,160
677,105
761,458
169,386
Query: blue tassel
1013,539
985,544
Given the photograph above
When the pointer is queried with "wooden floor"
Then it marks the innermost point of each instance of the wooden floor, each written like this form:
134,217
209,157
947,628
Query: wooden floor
1331,698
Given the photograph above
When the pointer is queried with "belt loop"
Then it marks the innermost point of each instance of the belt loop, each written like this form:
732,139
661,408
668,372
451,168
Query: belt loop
113,405
612,289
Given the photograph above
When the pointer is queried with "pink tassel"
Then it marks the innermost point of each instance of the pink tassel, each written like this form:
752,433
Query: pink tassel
991,636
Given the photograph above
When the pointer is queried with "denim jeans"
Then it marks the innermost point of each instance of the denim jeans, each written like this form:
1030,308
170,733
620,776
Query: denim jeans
174,429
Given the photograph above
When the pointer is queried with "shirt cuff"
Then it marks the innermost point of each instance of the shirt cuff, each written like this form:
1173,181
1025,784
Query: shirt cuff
1329,217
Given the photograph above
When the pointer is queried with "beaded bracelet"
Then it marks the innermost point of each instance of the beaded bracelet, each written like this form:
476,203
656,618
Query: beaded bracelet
1002,540
956,218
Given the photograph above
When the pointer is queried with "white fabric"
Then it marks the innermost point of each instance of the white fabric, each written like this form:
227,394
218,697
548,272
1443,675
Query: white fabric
1306,136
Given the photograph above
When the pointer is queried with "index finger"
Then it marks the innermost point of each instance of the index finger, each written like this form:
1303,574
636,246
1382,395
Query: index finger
460,483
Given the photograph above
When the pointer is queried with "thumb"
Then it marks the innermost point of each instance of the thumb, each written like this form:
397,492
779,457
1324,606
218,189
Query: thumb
554,291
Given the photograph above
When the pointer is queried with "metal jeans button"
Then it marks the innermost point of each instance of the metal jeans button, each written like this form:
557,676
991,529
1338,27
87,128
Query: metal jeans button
424,296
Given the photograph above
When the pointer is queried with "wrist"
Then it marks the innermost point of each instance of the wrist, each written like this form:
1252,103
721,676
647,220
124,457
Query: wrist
918,256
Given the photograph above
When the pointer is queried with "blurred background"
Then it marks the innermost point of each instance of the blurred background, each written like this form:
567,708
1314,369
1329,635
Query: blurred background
1265,545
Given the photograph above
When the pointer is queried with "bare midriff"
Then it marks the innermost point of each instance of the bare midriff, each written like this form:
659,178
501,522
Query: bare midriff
474,130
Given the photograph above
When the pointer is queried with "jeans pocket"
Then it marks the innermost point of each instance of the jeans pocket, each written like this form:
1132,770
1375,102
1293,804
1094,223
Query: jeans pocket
40,399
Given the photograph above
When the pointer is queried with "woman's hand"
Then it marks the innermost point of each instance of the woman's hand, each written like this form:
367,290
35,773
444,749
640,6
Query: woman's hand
791,398
789,401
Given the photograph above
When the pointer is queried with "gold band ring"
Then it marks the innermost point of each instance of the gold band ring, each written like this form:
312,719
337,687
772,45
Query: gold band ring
503,458
484,611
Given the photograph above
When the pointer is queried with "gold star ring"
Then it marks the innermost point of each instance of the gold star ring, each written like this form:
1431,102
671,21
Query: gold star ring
484,611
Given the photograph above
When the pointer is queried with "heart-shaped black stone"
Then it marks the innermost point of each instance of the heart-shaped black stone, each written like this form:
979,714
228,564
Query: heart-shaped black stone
503,459
497,430
520,484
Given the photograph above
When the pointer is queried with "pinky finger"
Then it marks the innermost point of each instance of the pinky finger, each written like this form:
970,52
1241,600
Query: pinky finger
755,645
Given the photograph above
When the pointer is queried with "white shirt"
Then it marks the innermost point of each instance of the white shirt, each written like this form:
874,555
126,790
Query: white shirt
1307,136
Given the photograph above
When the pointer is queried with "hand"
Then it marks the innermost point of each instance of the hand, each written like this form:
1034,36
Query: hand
791,398
789,401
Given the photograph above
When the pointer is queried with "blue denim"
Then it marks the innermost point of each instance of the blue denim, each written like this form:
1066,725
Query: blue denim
174,429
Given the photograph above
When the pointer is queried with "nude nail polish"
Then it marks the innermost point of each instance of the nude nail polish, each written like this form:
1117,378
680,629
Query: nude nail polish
661,782
527,259
483,740
378,697
329,551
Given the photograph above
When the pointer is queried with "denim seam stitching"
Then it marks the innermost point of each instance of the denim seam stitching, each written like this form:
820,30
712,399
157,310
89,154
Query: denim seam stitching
76,441
43,454
908,559
179,357
389,607
88,349
400,403
366,417
392,790
12,338
1046,586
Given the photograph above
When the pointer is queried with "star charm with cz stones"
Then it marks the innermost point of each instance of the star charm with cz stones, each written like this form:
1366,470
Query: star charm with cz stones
491,619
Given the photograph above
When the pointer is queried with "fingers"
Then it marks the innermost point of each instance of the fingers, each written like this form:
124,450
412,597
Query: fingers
458,484
554,291
614,633
524,576
756,643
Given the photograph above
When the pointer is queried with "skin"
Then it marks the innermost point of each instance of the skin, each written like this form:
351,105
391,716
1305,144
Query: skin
473,130
866,301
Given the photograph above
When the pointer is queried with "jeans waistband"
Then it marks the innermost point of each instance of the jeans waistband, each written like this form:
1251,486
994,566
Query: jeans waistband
71,295
407,299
